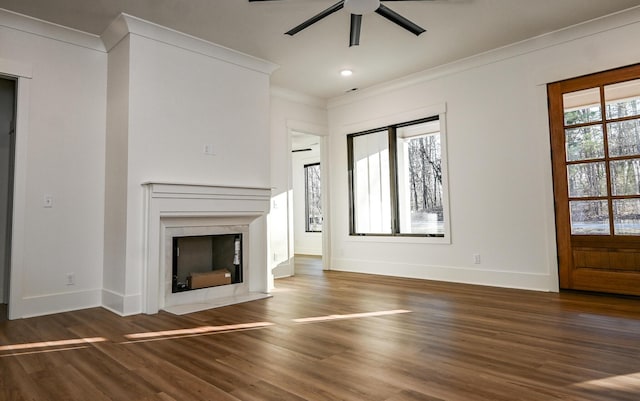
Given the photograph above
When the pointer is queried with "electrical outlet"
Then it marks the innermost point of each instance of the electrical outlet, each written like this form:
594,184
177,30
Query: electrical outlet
70,279
48,201
476,258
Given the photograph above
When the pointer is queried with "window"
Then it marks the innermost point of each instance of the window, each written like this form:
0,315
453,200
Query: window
602,145
313,203
397,180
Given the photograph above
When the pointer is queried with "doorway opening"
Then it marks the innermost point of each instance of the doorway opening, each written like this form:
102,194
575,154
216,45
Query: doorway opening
308,202
7,158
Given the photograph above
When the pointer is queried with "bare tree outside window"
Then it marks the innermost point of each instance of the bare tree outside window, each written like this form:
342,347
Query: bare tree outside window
313,203
420,178
603,159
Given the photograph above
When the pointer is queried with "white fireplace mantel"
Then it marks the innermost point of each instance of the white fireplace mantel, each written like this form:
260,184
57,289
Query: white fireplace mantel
201,205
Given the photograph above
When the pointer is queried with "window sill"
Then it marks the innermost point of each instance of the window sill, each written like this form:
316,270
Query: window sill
391,239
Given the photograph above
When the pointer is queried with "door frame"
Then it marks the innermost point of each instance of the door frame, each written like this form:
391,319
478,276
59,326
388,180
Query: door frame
322,133
23,73
565,240
8,211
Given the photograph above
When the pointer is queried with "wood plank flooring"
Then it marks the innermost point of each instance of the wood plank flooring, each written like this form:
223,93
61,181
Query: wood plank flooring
337,336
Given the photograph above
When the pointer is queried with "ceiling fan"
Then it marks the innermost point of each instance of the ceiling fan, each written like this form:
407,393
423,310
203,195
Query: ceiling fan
358,8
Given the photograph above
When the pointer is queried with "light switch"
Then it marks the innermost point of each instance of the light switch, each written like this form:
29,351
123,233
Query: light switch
48,201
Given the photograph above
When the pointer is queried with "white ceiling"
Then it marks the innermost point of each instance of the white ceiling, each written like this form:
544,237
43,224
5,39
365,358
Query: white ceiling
310,61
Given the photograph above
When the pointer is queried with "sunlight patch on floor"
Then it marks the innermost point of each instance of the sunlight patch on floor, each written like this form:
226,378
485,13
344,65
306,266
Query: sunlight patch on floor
197,330
45,344
625,383
350,316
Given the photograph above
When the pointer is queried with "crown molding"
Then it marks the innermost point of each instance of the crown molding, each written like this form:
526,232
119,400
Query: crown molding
126,24
49,30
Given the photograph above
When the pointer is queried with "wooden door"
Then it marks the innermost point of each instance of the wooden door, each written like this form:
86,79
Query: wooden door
595,141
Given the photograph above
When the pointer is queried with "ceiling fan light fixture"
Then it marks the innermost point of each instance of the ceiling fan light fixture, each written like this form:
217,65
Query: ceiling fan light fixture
361,7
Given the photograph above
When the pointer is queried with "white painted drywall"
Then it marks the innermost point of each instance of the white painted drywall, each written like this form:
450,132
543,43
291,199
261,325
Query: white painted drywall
64,158
500,182
116,180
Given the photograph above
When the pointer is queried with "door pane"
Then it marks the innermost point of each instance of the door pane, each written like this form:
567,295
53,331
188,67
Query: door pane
622,99
584,143
624,138
625,177
587,179
626,216
582,106
589,217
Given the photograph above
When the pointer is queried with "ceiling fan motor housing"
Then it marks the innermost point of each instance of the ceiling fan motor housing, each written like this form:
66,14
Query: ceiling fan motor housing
361,7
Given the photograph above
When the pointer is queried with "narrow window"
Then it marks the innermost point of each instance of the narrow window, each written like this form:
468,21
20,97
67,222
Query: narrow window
397,180
313,203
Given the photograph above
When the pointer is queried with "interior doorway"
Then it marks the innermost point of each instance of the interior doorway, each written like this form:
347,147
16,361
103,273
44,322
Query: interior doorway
308,204
7,157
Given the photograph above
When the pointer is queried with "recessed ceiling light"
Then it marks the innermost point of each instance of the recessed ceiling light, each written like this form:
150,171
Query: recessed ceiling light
346,73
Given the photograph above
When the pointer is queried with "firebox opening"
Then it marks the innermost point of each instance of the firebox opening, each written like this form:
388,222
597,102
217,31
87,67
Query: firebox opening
206,261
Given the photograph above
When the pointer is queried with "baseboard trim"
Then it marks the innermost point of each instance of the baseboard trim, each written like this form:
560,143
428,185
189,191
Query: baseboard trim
487,277
120,304
57,303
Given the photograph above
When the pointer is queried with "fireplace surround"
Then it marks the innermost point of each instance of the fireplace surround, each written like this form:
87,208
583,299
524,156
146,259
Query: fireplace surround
188,210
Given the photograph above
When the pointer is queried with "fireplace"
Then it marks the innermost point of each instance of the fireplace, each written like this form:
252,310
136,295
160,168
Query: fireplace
203,261
224,229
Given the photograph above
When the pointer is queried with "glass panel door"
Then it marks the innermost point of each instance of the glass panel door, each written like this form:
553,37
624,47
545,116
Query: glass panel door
595,141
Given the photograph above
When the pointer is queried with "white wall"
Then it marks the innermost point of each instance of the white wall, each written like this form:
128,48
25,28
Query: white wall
63,157
116,178
499,157
290,111
305,243
178,96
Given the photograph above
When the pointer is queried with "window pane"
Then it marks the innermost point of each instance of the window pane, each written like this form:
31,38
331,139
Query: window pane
622,99
587,179
582,106
313,201
584,143
589,217
372,194
420,179
624,138
625,177
626,216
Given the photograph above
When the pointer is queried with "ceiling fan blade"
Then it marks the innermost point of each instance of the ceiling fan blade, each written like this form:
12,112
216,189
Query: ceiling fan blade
354,34
399,20
316,18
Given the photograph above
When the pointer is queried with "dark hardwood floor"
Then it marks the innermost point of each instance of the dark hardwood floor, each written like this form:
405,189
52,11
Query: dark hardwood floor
308,264
360,338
